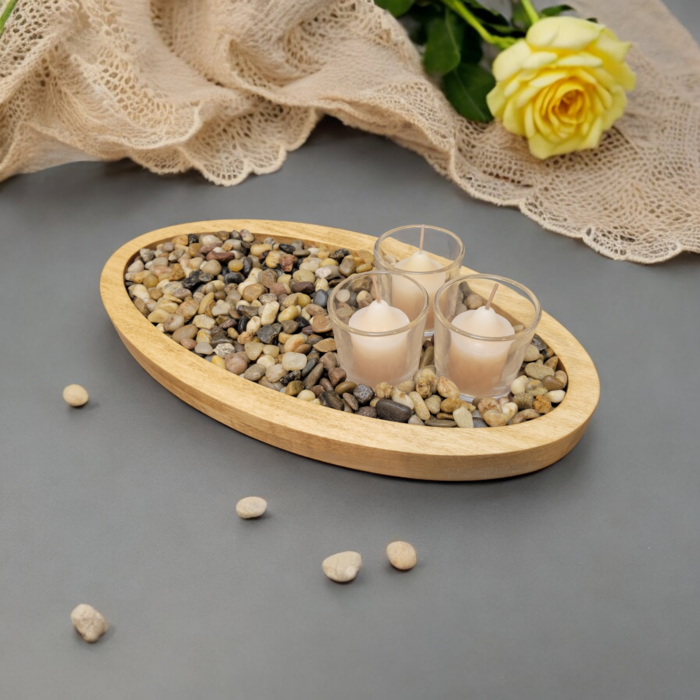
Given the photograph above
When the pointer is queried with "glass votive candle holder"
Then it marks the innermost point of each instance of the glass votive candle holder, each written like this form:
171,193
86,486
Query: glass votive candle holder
439,262
483,365
376,341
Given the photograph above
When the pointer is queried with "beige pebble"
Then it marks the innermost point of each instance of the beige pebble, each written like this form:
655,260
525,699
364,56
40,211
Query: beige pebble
342,567
509,410
556,396
463,417
518,385
251,507
89,623
75,395
402,555
531,354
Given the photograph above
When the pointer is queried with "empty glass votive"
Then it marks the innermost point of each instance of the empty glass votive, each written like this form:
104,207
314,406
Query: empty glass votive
376,341
439,262
484,360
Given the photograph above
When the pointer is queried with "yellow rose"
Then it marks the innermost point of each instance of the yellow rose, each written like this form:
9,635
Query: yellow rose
561,86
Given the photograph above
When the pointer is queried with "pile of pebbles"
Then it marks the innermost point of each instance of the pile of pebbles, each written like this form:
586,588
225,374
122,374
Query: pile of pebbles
258,309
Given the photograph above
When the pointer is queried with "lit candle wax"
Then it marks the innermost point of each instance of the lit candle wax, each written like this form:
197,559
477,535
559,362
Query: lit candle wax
476,366
378,359
406,296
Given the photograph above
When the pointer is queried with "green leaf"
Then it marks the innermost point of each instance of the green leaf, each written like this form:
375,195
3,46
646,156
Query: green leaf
472,49
555,11
396,7
443,50
466,88
520,17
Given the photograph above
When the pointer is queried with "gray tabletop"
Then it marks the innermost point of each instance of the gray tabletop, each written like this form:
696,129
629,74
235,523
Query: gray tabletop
580,581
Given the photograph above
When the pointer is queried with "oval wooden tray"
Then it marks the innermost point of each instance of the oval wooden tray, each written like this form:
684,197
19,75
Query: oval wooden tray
395,449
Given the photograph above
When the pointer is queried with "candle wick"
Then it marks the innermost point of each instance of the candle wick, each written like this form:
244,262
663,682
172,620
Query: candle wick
493,294
422,237
377,296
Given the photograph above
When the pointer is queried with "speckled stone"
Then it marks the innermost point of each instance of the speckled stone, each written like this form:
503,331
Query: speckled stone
401,555
251,507
342,567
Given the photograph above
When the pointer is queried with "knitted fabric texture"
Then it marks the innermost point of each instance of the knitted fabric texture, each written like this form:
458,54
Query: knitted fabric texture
229,87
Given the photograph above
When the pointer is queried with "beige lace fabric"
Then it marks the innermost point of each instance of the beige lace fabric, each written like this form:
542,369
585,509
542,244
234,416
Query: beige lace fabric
229,87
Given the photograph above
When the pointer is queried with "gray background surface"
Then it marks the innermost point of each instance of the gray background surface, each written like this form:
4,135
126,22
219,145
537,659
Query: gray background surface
581,581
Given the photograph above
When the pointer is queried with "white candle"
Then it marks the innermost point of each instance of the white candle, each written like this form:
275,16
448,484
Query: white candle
378,358
476,366
405,296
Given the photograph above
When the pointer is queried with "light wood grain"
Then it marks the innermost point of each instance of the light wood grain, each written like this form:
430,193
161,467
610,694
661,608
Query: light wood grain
344,439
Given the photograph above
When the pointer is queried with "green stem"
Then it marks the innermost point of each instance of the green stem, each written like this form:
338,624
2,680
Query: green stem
458,7
531,12
6,13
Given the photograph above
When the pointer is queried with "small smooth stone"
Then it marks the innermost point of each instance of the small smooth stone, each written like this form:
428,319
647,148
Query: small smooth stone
321,324
439,423
474,301
75,395
342,296
342,567
415,420
329,360
331,400
555,396
293,361
251,507
294,388
536,371
447,388
450,404
350,400
88,622
235,363
463,418
531,354
423,387
552,383
363,393
562,377
173,323
203,349
314,376
419,406
509,410
345,387
401,397
552,362
480,423
255,373
204,322
306,395
542,404
218,361
527,414
428,357
275,373
321,298
433,403
347,267
401,555
523,401
518,385
336,375
393,411
268,333
326,345
368,411
266,361
494,418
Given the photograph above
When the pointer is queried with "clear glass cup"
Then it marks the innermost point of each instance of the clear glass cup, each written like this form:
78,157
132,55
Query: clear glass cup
443,248
480,365
373,356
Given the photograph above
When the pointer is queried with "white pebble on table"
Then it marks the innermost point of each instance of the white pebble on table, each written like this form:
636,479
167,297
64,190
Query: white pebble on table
342,567
88,622
402,555
75,395
251,507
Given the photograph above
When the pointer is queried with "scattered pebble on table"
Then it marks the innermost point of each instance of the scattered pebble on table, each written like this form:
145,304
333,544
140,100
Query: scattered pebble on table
88,622
402,555
75,395
251,507
342,567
